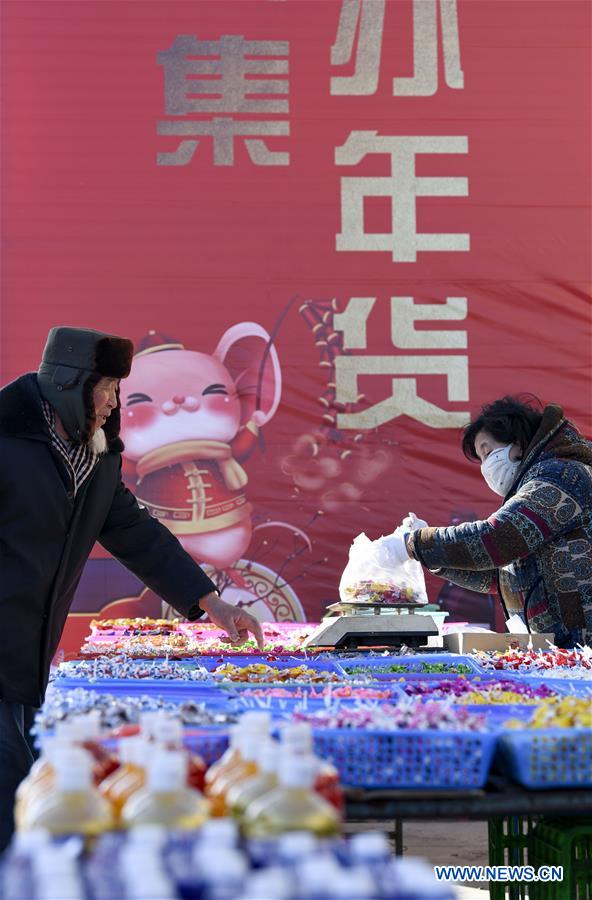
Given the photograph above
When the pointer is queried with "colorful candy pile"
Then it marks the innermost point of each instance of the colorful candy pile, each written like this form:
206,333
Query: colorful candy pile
570,712
117,711
554,663
103,667
331,692
404,668
260,672
379,592
432,715
153,638
478,692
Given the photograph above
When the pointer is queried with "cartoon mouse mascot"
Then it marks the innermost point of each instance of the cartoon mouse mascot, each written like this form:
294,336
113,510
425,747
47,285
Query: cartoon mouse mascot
188,421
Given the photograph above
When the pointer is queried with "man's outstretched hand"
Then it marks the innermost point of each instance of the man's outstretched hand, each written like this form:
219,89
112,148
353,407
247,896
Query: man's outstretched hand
235,621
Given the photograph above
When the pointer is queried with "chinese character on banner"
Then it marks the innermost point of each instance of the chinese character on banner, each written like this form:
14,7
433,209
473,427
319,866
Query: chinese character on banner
404,398
365,18
402,186
205,77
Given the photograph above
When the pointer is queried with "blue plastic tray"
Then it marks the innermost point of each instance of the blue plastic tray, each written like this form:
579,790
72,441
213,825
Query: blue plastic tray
548,758
169,689
408,759
285,662
413,664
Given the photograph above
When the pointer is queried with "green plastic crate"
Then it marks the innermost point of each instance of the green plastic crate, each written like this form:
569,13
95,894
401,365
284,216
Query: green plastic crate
509,845
567,843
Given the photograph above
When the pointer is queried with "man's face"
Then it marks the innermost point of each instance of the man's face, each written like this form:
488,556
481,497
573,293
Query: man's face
105,400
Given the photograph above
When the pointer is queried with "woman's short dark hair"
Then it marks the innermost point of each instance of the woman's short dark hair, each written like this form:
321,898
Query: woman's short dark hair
511,420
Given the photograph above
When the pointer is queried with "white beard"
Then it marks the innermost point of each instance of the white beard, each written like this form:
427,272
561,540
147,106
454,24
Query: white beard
99,441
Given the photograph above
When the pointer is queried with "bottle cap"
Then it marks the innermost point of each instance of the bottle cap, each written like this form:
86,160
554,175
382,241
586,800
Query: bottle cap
369,845
294,846
297,737
228,867
73,769
353,883
166,730
256,720
271,882
133,750
167,771
223,832
268,757
151,835
297,771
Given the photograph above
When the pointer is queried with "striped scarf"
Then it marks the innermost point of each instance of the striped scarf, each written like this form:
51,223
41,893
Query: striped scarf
79,459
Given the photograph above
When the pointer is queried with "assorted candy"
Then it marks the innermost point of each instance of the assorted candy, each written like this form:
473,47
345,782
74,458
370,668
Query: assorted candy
104,667
260,672
422,667
478,692
569,712
431,715
379,592
331,692
554,663
117,711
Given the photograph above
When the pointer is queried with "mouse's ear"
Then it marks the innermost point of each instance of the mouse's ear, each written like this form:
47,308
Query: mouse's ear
248,353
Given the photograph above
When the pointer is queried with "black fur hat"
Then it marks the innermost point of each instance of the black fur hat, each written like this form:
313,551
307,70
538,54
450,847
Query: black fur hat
74,361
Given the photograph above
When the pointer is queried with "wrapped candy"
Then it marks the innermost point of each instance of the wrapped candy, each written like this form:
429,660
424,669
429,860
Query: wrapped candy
260,672
476,692
554,663
409,715
104,667
569,712
367,591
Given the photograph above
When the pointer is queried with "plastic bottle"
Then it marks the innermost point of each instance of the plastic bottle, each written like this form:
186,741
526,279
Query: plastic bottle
297,738
73,805
413,879
129,777
168,732
256,721
143,875
166,799
371,849
292,806
244,792
17,880
245,767
57,874
90,739
40,778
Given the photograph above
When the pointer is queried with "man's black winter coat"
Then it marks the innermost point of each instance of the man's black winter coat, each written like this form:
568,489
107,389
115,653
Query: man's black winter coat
47,534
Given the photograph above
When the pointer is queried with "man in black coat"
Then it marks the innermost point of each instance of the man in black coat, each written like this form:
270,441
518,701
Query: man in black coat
60,491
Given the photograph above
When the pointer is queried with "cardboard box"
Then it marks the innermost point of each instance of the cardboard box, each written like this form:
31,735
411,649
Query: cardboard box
465,643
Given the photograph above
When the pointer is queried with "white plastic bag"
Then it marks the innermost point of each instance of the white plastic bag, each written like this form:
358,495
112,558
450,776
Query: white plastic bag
364,579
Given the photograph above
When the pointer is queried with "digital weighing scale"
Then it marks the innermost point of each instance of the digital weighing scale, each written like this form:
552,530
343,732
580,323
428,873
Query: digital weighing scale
350,624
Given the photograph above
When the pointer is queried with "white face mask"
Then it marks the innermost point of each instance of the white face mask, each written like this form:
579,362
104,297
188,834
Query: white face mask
499,470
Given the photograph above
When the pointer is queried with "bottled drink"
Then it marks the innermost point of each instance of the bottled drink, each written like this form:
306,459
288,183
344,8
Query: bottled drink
72,805
244,792
292,806
297,738
258,722
168,733
166,799
244,767
129,777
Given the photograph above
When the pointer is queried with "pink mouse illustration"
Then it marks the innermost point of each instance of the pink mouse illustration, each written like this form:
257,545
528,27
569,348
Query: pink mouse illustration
189,420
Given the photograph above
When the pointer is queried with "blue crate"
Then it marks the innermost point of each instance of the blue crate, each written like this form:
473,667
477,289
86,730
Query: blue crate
245,699
562,686
178,691
413,664
407,759
545,758
498,713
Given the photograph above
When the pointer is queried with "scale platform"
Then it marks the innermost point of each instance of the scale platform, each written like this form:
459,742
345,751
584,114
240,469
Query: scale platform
350,624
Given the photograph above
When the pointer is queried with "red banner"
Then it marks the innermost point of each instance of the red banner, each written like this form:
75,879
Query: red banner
333,230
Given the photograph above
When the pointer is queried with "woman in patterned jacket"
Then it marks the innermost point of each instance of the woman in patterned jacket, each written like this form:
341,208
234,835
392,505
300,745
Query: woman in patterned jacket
536,549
